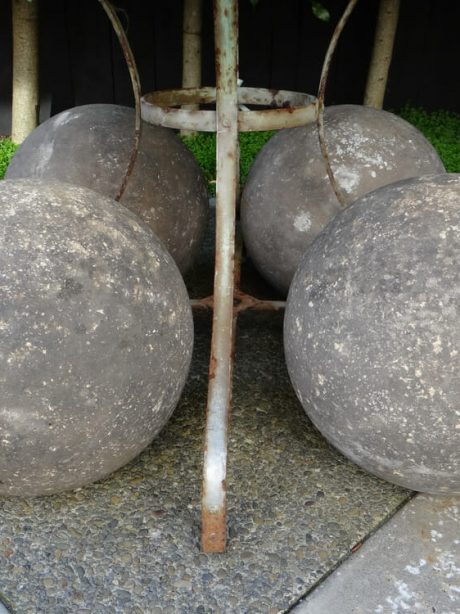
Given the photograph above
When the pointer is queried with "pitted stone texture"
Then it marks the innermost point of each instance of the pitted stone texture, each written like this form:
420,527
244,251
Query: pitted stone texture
372,333
288,198
96,336
91,145
131,543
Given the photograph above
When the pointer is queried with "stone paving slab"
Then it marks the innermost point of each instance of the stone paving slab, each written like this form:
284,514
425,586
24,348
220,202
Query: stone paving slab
130,543
411,564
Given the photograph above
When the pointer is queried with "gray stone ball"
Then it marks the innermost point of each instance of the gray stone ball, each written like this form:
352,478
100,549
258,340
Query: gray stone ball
91,145
288,199
372,335
96,336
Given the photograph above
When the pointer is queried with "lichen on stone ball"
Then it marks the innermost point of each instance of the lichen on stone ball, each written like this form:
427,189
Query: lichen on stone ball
372,333
96,336
288,198
91,145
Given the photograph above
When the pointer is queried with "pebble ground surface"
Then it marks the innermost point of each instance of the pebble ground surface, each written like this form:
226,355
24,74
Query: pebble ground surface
130,543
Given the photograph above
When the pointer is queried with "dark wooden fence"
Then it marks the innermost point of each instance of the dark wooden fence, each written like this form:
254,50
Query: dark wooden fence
281,46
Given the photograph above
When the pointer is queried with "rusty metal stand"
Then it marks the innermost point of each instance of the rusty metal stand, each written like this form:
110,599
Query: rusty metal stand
285,109
282,109
223,326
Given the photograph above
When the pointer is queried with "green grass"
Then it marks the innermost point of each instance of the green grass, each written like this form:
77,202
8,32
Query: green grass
442,129
203,147
7,151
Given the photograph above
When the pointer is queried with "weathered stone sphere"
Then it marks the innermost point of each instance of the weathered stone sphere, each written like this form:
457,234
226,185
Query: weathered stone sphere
96,336
372,334
91,146
288,199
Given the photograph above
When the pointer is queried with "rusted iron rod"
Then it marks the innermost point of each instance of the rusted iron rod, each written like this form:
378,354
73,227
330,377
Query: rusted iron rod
321,94
242,302
214,500
246,302
136,85
285,109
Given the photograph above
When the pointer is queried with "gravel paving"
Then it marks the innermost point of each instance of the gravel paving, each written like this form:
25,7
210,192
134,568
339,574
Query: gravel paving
130,543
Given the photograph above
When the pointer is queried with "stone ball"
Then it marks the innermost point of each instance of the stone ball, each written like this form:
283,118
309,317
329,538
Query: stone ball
288,199
91,145
372,335
96,336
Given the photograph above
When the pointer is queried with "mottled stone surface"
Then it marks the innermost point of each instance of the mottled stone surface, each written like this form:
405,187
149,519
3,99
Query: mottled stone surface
96,336
91,145
372,333
130,543
288,199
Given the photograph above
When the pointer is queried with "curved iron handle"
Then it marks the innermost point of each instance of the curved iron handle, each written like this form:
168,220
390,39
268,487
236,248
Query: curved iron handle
321,93
135,81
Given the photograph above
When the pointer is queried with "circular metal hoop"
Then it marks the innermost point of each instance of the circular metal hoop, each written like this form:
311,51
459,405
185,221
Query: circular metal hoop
286,109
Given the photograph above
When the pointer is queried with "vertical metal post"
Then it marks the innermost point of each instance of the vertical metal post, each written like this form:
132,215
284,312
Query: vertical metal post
220,369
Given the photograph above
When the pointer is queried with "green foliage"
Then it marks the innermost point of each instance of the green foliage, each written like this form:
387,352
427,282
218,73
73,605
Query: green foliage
203,147
317,8
320,11
442,129
250,145
7,151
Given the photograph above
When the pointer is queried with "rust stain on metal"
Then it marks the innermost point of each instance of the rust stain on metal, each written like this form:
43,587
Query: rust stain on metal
218,53
203,303
246,301
212,367
287,110
356,547
241,302
176,98
214,532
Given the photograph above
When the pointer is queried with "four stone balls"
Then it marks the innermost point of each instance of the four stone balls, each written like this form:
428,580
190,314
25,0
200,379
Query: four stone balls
96,336
91,145
372,334
288,198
